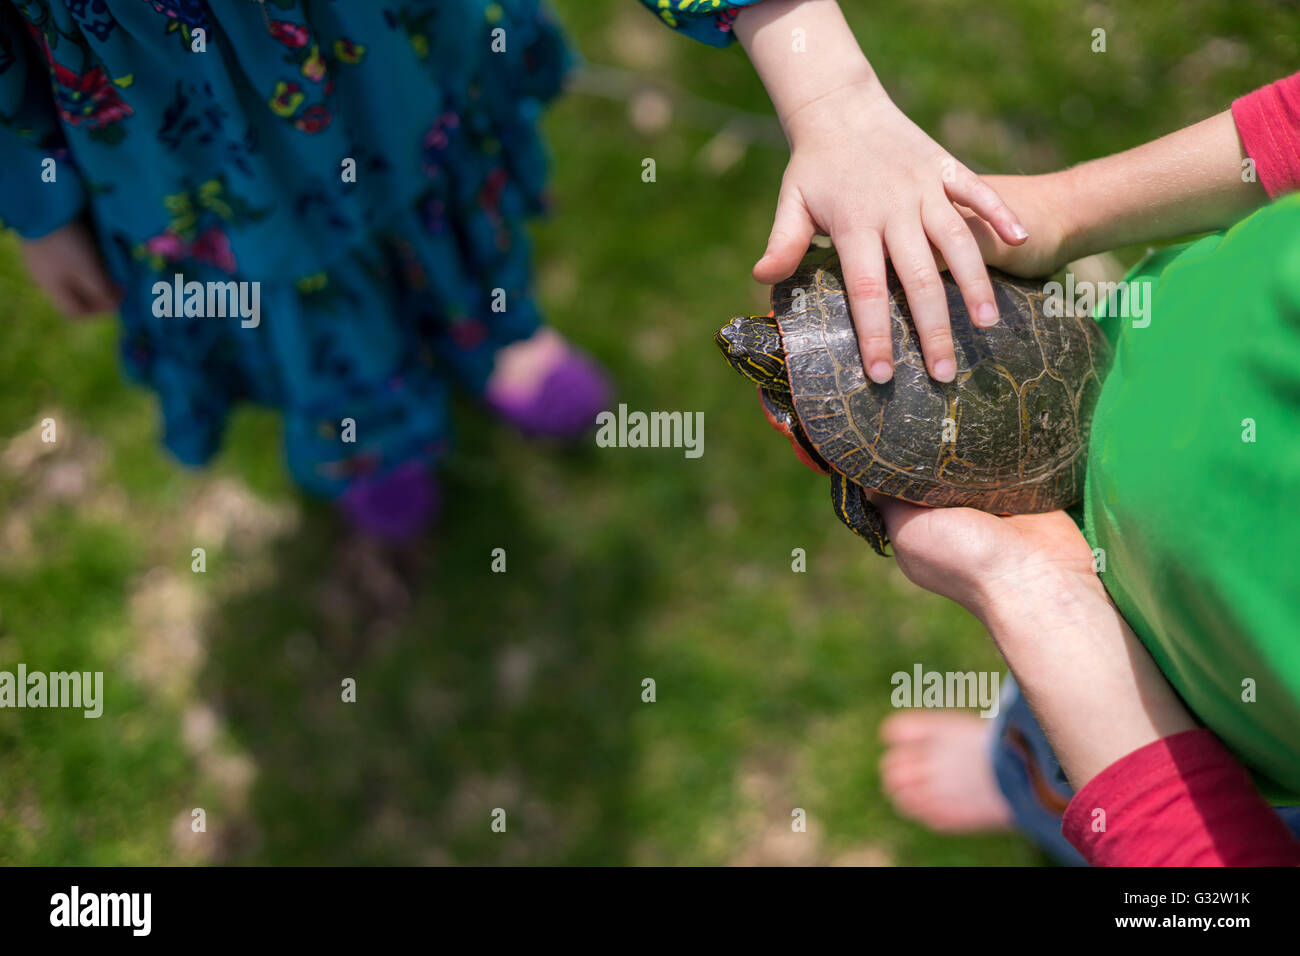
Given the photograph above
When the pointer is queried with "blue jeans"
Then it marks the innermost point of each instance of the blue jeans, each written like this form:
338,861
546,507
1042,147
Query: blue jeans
1034,784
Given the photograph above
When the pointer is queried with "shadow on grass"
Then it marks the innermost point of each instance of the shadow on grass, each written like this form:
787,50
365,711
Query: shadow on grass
475,690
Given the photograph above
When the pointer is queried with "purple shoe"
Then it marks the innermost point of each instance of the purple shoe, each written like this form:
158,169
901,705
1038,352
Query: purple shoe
566,405
393,507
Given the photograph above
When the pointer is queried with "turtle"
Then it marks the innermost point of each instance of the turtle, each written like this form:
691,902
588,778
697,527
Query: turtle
1008,435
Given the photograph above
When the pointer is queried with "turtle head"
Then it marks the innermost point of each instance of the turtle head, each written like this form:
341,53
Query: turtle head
752,346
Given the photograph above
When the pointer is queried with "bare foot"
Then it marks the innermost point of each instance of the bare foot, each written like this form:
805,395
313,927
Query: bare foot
522,366
936,770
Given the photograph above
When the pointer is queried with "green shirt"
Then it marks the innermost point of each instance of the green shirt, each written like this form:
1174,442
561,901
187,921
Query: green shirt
1193,486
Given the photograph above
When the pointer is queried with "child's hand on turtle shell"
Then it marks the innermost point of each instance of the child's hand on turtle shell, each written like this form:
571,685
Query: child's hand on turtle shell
872,201
867,176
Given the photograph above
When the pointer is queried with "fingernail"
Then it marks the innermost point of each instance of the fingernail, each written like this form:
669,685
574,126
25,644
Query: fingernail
987,315
1019,232
945,370
881,372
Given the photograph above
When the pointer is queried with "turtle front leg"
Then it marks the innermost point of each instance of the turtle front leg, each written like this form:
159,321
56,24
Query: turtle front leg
780,414
858,514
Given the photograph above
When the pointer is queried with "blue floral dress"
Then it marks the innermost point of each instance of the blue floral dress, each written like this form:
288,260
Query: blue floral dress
370,164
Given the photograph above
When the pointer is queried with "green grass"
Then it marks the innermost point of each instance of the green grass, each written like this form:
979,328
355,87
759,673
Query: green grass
522,690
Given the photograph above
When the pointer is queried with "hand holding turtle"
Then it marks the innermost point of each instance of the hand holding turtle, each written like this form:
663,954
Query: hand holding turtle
978,559
864,174
1092,685
1008,437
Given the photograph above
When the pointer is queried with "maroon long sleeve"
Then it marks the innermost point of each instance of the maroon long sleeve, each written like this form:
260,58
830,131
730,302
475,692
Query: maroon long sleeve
1181,801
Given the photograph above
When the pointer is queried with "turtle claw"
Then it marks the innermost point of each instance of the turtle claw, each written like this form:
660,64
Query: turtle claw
859,515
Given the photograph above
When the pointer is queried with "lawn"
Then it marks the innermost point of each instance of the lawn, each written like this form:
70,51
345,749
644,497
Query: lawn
522,690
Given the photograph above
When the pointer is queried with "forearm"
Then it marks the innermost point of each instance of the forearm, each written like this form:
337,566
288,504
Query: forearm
1095,690
1168,797
1187,182
797,74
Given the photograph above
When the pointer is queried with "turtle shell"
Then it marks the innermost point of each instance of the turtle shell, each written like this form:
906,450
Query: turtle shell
1008,435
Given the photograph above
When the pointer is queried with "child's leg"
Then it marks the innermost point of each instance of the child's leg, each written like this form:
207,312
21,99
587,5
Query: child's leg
936,769
1030,777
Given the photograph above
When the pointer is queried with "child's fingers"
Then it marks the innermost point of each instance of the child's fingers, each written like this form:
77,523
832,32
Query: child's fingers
1018,260
969,190
862,259
909,250
95,292
792,230
68,298
951,236
985,238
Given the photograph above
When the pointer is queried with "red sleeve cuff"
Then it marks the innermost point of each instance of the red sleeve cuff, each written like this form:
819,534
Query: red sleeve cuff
1268,122
1180,801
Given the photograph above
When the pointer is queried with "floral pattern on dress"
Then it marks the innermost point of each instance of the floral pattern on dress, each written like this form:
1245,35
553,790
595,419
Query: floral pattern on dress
372,166
709,21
